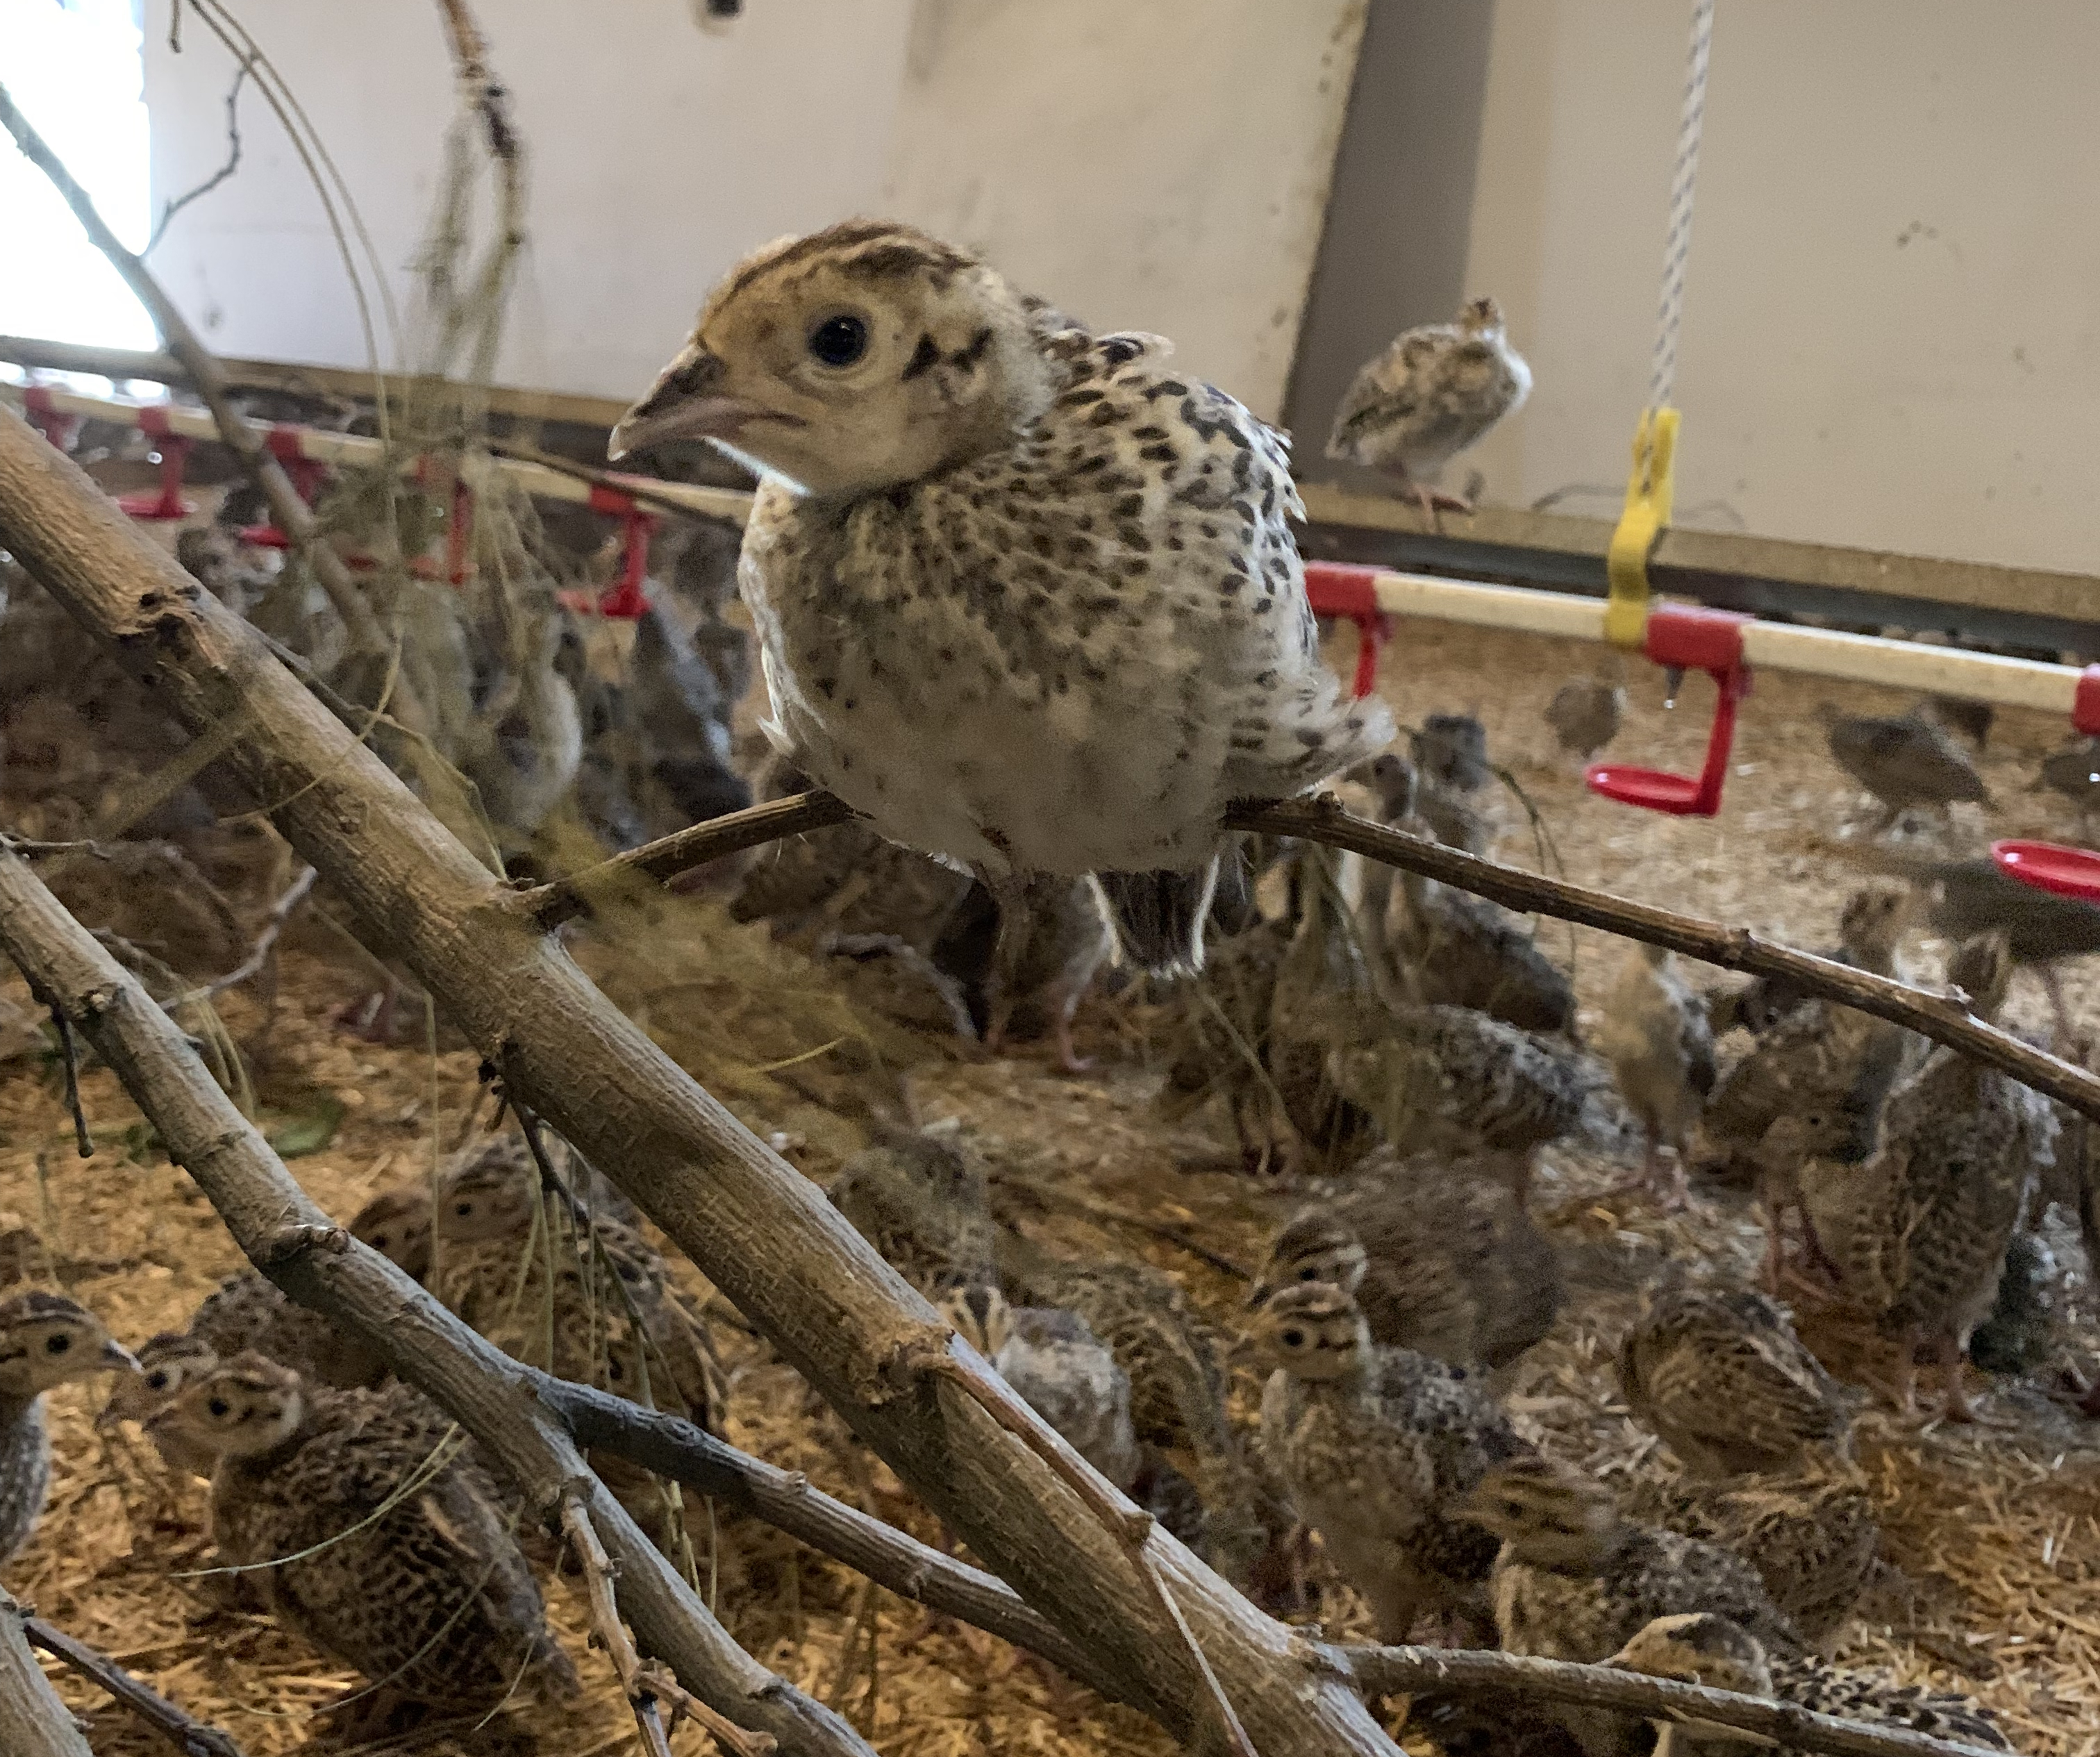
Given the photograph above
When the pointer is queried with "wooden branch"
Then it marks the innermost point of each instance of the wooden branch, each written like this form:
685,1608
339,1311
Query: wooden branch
33,1722
756,1227
559,900
644,1692
190,1737
294,1243
684,1452
1939,1016
288,510
1412,1671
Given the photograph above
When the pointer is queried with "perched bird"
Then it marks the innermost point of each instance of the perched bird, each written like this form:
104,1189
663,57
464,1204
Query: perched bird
1575,1580
1584,714
1708,1648
1061,1370
1435,392
1812,1538
1903,760
1870,926
1024,598
396,1223
922,1199
248,1311
1440,1257
1720,1375
1379,1448
168,1362
45,1339
371,1543
1920,1234
1656,1036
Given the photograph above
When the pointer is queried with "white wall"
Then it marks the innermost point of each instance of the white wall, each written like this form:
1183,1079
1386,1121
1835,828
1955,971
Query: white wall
1892,332
1163,167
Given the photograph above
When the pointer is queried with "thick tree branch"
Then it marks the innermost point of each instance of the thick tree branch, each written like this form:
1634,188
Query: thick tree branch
190,1737
1413,1670
756,1227
33,1722
318,1263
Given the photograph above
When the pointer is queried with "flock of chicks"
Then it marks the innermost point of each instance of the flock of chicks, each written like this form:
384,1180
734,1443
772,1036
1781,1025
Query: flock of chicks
344,1504
1405,1052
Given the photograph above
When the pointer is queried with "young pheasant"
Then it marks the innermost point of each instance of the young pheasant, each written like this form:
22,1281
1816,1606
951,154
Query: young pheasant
1704,1648
1903,760
1575,1580
1656,1035
396,1223
1379,1446
1440,1258
168,1362
1025,597
45,1339
1920,1235
1584,714
248,1311
369,1543
1721,1376
1436,390
922,1199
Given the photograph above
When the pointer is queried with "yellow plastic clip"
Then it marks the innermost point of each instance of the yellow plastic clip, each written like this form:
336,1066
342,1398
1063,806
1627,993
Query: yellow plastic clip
1648,492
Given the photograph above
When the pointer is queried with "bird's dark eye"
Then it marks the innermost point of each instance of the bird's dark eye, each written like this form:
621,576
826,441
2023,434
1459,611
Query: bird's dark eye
157,1381
1311,1272
1293,1339
464,1209
57,1345
838,341
218,1406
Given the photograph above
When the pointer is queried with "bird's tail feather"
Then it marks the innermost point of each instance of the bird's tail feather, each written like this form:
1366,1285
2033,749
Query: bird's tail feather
1158,918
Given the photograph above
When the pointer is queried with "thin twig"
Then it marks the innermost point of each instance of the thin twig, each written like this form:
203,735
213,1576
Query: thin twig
1181,1238
83,1140
265,942
232,155
646,1689
1939,1016
556,901
32,850
1410,1670
192,1737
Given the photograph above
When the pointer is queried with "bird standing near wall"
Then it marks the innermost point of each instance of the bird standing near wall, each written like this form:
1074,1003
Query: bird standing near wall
1436,390
1025,597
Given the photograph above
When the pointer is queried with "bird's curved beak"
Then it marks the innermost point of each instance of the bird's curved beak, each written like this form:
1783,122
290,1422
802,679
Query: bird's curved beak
687,402
117,1357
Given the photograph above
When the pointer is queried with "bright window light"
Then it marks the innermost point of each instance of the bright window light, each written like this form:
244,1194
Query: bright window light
75,69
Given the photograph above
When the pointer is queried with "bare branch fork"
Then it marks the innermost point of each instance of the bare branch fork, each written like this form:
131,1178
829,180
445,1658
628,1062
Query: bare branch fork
820,1294
1940,1018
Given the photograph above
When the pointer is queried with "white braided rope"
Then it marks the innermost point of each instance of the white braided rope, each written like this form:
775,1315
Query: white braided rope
1678,247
